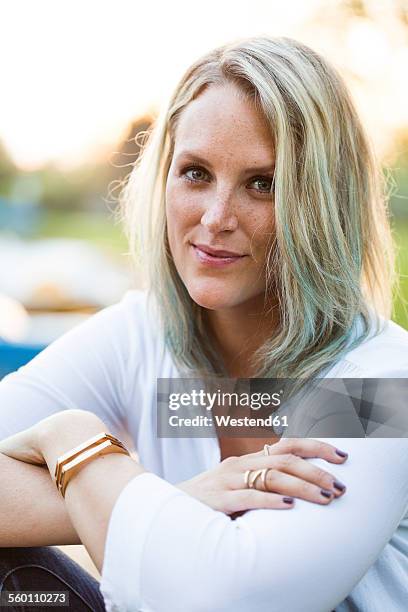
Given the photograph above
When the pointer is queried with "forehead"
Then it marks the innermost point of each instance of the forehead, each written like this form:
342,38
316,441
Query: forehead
222,119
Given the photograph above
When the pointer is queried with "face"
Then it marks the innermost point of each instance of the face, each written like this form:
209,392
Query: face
219,205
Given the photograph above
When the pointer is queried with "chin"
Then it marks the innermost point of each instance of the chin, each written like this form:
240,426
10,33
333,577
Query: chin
213,296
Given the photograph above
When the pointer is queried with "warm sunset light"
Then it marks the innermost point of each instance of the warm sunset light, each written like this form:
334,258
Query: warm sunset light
75,74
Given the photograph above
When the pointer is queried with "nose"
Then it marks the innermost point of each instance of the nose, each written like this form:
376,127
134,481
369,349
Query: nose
220,215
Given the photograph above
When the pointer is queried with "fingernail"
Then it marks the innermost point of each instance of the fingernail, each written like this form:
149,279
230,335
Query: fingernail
338,485
341,453
326,493
288,500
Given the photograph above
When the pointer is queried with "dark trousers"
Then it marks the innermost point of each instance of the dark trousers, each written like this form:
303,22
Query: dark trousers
47,568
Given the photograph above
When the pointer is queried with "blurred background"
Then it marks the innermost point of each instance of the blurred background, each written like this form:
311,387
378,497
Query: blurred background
80,81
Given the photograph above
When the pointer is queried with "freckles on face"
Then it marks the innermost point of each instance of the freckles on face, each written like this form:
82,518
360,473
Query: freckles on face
219,196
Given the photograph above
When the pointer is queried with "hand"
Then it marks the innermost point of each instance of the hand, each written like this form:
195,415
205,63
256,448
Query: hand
52,436
223,488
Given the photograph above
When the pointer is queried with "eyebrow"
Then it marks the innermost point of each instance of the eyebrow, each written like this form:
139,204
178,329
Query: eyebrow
268,169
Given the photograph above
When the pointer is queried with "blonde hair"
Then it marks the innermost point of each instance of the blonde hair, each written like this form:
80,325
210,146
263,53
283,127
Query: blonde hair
331,260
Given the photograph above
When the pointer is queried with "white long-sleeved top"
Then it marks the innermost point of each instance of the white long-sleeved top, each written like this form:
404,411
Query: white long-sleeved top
166,551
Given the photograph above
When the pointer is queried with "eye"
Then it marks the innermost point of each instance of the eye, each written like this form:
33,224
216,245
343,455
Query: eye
195,174
263,184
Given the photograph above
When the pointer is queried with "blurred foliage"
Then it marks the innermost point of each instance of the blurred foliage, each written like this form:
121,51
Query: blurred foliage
400,313
363,8
84,188
100,229
356,8
74,190
7,171
398,169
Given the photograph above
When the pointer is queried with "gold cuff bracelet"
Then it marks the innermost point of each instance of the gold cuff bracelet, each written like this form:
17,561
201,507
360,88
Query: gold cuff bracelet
72,461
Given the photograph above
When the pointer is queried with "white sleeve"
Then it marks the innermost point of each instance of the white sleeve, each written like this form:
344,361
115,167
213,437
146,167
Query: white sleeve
165,550
86,368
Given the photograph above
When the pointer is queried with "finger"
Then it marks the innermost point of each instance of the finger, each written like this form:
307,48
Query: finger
288,485
307,448
296,466
251,499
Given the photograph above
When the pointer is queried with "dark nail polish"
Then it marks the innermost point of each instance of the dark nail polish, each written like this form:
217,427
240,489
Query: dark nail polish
288,500
341,453
338,485
326,493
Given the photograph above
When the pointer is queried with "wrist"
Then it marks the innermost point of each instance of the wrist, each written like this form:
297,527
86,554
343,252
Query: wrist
66,430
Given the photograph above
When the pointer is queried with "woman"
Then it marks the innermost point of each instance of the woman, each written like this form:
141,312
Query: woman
268,255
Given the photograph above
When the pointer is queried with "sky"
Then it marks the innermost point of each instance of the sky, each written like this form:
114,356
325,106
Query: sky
75,73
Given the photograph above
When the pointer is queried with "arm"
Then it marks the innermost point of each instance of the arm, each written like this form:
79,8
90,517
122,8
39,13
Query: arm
307,560
85,368
45,520
265,560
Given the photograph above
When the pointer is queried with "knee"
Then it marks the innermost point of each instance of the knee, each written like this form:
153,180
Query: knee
48,569
11,558
22,567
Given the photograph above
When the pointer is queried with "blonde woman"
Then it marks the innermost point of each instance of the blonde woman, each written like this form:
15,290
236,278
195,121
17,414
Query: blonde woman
258,212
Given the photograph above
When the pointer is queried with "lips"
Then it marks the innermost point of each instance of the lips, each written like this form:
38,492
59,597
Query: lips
215,261
217,252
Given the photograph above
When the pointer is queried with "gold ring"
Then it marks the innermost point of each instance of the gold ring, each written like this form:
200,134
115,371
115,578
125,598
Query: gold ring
263,478
252,483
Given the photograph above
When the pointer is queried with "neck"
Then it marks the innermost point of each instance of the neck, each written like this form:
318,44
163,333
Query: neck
239,331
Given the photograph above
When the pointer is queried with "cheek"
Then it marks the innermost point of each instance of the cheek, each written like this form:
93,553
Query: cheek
260,226
182,207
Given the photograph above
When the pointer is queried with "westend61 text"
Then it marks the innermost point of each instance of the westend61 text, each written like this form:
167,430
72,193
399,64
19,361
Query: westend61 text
228,421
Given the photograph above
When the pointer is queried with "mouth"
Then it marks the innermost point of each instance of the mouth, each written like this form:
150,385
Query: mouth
211,259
